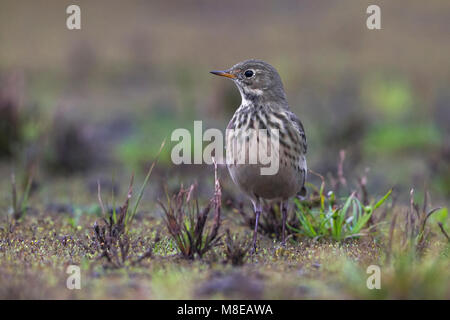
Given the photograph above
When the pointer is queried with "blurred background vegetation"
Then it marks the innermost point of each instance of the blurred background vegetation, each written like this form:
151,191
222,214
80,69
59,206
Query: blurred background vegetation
101,99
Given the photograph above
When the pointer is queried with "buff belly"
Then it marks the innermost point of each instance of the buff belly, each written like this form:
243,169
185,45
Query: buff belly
286,183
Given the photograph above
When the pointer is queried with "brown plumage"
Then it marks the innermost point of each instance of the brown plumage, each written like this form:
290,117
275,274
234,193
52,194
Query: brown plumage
264,106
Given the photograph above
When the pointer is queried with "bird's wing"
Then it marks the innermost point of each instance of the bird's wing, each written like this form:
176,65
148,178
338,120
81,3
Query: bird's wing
297,124
300,130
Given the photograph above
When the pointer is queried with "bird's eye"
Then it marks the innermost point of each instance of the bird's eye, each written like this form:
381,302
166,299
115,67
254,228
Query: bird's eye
248,73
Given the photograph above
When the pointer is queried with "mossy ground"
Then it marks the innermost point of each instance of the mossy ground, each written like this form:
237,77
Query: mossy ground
36,251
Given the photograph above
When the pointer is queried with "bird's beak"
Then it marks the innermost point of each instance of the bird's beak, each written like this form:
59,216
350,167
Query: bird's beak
224,73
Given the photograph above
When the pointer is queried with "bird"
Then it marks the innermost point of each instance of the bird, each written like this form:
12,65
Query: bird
264,106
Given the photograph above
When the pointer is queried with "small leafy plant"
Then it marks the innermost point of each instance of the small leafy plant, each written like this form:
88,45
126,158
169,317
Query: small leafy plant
416,233
19,205
186,222
112,237
331,220
236,249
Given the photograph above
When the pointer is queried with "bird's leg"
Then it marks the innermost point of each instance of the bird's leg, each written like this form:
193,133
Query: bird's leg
258,209
284,207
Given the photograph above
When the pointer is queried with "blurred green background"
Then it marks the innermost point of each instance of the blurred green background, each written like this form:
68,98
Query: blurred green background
102,98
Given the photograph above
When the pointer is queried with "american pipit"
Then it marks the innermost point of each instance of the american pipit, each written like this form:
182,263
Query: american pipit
264,106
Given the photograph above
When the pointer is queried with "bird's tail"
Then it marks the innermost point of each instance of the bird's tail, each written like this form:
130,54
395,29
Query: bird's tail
301,195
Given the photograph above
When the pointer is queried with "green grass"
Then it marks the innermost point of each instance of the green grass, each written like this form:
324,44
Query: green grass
19,204
331,220
129,213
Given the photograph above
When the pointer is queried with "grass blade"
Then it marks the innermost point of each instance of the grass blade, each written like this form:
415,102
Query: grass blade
141,191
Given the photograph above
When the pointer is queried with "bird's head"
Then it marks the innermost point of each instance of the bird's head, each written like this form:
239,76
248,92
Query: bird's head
256,80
